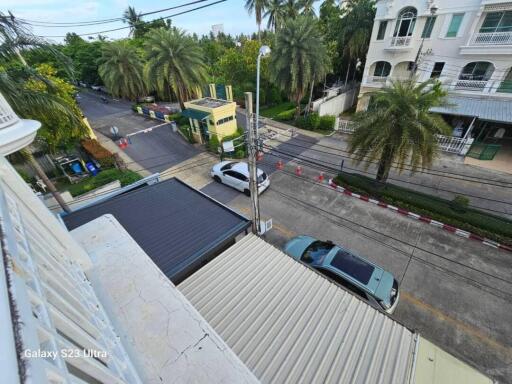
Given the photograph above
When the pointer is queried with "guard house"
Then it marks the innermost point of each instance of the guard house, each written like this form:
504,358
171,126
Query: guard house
212,115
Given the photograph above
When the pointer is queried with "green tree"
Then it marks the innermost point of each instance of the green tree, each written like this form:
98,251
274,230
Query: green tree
398,127
132,18
299,58
308,7
275,14
258,7
21,88
176,60
121,70
84,56
292,8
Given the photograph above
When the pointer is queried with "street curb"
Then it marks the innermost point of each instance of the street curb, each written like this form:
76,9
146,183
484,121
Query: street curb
425,219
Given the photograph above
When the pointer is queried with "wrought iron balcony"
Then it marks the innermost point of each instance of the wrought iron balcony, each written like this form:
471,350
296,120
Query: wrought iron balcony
492,38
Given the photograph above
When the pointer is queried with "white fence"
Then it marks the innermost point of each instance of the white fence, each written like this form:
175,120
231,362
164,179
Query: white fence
492,38
337,104
446,143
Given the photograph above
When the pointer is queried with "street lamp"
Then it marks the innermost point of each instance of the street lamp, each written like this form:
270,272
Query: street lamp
264,51
433,11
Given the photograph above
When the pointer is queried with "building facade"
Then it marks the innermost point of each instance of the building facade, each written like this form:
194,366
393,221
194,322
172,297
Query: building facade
465,44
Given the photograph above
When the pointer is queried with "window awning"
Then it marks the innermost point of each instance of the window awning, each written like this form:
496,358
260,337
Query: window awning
497,110
195,114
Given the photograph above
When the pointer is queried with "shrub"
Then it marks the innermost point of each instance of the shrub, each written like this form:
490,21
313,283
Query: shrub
310,122
285,115
213,144
103,156
104,177
326,123
459,204
472,220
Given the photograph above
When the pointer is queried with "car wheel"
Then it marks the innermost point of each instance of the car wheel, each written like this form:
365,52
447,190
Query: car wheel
217,179
247,192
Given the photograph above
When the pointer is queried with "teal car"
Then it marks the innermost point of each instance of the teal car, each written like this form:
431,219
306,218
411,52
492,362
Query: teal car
367,280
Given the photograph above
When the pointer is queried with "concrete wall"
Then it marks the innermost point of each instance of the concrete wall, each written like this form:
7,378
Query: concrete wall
338,104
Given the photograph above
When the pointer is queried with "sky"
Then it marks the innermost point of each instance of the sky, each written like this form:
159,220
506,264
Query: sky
231,14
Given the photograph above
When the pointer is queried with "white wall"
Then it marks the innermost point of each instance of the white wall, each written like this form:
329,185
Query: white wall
338,104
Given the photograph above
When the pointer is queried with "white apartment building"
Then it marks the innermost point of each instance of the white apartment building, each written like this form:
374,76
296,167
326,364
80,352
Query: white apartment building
467,45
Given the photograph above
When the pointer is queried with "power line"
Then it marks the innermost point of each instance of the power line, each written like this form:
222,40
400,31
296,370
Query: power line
100,21
323,167
440,173
160,18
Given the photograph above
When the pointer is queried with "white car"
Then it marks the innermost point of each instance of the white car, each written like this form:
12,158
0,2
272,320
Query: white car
236,175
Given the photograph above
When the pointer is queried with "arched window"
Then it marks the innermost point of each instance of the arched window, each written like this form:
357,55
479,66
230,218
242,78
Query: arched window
406,22
477,70
382,69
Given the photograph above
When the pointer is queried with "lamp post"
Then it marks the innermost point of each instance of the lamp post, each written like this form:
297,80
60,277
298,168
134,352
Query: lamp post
433,11
264,51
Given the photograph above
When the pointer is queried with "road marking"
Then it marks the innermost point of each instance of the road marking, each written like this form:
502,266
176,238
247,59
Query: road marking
469,329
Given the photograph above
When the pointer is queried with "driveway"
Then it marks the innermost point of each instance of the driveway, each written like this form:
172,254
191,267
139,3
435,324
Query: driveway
155,151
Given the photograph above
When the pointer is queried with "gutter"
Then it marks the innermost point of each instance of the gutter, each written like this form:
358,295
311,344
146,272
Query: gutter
412,375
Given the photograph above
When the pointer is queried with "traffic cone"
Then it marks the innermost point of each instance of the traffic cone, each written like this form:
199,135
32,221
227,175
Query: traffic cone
321,177
298,170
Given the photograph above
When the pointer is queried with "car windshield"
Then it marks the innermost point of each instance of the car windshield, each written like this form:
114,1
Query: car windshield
353,266
316,251
227,166
262,177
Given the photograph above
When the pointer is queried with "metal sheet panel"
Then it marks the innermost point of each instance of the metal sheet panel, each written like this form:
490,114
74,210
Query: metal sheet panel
485,108
289,324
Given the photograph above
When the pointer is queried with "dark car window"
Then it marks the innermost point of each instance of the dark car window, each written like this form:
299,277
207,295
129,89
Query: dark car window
236,175
262,177
353,266
316,251
341,281
227,166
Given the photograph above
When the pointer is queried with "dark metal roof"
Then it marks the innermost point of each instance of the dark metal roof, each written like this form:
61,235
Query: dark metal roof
178,226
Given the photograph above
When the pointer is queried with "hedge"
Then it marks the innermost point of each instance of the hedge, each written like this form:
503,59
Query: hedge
104,177
455,212
313,122
99,153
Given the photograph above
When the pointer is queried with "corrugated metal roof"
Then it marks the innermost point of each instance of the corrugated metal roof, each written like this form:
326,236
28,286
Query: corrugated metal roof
289,324
485,108
176,225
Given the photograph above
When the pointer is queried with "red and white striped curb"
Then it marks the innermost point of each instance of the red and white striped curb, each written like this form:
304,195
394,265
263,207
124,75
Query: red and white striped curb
425,219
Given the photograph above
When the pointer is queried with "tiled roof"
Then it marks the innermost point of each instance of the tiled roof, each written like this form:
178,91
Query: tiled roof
289,324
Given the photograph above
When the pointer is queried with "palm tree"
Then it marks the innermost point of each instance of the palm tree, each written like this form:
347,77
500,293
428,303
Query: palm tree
275,14
307,7
398,127
291,8
176,60
299,58
356,29
258,6
132,18
121,70
24,100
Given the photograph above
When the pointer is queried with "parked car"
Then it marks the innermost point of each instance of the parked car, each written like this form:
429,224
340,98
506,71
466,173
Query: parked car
96,87
364,279
236,175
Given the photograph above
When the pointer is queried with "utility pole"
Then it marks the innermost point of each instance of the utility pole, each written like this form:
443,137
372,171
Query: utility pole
252,148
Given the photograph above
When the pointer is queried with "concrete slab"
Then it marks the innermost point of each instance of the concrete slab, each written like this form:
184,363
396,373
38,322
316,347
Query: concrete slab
168,340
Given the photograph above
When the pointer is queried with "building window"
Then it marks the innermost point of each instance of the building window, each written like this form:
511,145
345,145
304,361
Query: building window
429,26
382,69
437,70
212,122
506,84
497,22
382,30
455,23
225,120
405,22
477,70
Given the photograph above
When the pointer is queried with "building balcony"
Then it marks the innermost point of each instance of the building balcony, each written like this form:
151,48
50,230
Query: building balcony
400,42
492,38
470,85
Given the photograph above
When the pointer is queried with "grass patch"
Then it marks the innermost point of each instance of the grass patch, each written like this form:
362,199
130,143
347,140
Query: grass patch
104,177
272,112
449,212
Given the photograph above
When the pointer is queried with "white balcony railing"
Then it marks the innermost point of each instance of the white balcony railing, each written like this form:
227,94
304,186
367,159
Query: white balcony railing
470,85
492,38
400,41
378,79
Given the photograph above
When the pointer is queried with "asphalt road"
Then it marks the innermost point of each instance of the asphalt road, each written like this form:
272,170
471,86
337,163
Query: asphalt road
455,292
155,151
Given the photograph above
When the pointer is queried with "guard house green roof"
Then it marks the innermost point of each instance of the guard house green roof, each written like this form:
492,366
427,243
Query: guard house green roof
195,114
